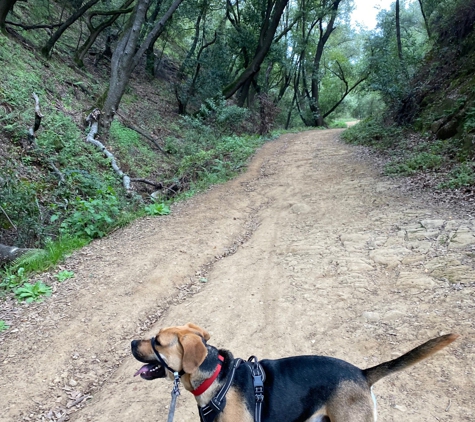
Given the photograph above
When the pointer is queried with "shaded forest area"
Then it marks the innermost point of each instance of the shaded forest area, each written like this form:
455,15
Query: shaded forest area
112,109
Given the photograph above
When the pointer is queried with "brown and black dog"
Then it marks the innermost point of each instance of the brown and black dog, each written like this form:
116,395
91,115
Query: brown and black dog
296,389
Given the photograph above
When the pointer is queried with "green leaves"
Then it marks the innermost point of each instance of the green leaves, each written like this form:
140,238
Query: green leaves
64,275
32,292
3,325
157,209
93,217
13,279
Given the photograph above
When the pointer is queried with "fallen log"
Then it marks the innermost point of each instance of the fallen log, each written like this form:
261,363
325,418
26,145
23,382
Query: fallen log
10,253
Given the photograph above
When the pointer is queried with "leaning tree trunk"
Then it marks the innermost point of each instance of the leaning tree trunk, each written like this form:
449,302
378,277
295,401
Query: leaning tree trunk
426,21
314,104
127,56
95,31
398,30
268,31
122,62
5,7
46,50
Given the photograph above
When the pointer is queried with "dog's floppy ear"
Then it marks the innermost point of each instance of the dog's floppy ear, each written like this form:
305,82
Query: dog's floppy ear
203,333
194,352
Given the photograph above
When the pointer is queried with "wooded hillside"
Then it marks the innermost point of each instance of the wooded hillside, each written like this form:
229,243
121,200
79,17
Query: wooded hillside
111,109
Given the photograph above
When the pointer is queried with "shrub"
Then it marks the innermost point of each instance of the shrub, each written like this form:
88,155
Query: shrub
460,176
421,161
91,218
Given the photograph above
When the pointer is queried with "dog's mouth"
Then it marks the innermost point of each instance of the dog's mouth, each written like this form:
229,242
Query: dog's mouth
151,371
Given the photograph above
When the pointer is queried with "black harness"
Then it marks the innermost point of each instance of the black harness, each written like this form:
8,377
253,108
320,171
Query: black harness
211,411
153,342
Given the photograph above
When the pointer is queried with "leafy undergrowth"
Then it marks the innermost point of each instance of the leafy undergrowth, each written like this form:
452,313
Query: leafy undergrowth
58,211
440,165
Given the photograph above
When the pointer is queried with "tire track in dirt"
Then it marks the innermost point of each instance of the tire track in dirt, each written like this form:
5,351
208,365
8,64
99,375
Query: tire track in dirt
321,256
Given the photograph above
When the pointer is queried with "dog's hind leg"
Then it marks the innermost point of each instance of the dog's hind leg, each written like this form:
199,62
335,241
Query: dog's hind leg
352,402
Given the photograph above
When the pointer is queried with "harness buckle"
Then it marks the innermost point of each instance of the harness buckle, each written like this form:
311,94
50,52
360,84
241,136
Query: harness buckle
259,395
216,404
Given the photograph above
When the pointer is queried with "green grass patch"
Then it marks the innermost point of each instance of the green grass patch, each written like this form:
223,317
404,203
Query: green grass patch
40,260
133,150
415,163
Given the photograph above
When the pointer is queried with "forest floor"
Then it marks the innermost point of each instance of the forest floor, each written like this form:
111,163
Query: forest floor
311,251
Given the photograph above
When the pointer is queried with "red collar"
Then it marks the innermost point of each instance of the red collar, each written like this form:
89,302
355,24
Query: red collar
206,383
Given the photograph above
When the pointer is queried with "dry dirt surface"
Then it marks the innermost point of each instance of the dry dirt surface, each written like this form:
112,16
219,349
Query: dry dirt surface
310,251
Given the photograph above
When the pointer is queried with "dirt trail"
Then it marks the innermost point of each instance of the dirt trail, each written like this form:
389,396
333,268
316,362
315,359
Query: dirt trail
309,252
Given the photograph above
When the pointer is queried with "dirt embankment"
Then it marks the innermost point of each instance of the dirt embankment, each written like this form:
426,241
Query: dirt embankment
309,252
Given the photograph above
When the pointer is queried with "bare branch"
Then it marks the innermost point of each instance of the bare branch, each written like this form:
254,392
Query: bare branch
29,27
93,120
32,137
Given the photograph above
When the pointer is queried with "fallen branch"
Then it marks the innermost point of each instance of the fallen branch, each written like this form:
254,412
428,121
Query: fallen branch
93,120
32,137
148,182
10,253
129,125
8,218
28,27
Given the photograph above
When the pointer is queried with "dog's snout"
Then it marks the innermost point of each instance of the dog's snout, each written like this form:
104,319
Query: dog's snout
134,345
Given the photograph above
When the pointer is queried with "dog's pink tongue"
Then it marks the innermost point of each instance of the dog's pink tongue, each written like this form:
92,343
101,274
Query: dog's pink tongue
143,369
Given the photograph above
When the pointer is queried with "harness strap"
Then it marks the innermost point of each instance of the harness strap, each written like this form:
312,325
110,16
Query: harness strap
211,411
258,378
153,342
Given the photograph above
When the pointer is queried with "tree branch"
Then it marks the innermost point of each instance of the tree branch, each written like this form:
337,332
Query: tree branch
32,137
93,120
28,27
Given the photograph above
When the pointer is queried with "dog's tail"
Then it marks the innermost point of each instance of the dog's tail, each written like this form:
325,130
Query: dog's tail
421,352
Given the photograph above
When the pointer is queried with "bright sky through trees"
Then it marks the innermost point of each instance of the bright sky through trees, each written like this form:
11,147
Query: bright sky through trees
366,11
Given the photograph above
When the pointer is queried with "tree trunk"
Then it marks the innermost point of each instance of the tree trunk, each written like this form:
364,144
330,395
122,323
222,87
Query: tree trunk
126,55
268,30
398,30
5,7
150,63
426,22
46,50
95,31
324,35
122,62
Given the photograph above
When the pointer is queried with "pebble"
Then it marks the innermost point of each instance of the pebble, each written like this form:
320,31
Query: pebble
371,316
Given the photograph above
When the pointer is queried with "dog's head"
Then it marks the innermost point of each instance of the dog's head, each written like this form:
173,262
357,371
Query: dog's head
181,348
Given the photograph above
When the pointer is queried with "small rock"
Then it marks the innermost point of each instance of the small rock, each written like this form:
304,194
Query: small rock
432,224
300,208
371,316
393,315
400,408
73,382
